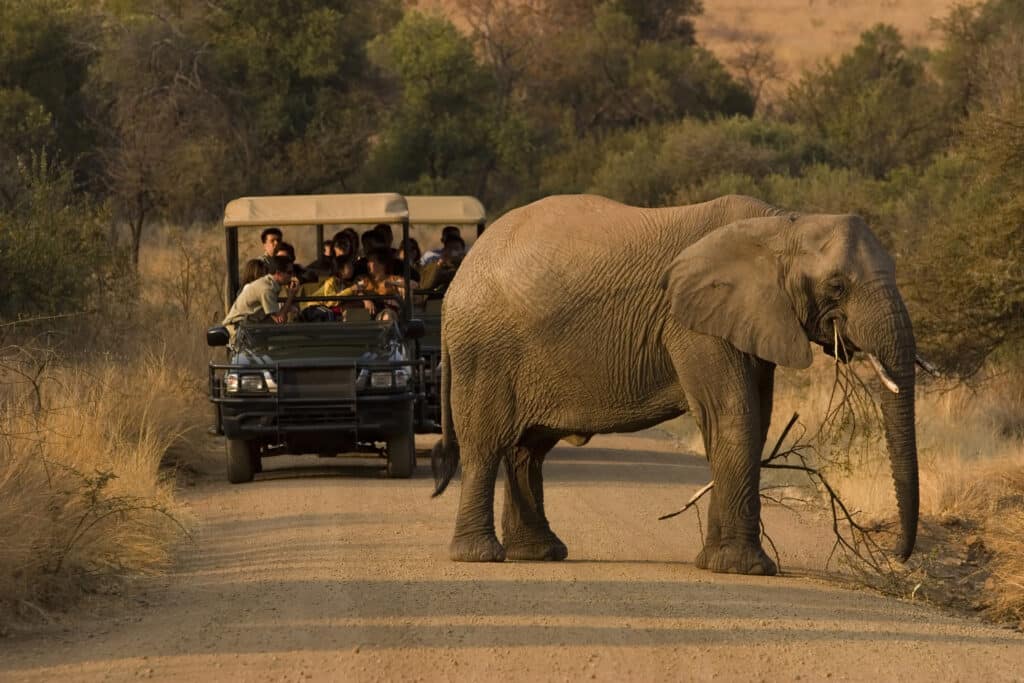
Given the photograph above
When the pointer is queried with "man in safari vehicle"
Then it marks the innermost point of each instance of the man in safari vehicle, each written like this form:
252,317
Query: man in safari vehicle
257,302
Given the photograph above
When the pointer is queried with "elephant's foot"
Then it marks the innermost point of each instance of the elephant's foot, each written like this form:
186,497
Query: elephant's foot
736,558
481,548
541,546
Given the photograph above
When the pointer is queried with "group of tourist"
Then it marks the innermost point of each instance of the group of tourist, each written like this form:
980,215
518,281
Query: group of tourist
349,265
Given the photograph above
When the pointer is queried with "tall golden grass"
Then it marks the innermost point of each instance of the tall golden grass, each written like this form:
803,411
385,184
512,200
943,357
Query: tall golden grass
90,406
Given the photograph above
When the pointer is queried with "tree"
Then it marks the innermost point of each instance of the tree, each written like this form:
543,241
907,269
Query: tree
165,133
46,47
438,135
301,90
876,108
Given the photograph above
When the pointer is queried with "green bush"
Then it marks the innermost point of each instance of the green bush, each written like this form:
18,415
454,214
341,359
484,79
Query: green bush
55,254
877,108
659,165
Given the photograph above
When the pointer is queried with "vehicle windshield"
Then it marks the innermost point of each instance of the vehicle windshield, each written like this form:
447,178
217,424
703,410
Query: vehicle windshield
352,339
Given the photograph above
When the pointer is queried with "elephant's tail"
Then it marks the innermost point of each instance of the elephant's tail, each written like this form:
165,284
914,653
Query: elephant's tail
444,457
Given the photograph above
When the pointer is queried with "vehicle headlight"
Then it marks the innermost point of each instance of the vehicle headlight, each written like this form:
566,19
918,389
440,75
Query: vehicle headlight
381,380
250,382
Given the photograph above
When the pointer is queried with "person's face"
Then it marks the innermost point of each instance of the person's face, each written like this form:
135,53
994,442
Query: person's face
378,270
342,247
270,244
283,277
327,249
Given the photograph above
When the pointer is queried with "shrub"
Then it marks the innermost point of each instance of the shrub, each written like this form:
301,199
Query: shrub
658,163
876,109
55,253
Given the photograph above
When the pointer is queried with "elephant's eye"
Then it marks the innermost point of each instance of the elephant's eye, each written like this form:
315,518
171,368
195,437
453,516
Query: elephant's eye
835,288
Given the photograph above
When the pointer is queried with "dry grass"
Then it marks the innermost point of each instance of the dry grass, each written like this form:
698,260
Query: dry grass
769,42
90,407
802,33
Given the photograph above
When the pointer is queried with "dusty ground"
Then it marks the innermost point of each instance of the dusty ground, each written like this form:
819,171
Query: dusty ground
337,574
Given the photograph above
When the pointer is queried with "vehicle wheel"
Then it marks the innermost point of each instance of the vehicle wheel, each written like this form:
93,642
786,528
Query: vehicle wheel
402,453
241,456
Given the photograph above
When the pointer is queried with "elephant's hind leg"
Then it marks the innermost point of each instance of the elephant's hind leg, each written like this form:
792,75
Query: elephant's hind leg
525,529
475,540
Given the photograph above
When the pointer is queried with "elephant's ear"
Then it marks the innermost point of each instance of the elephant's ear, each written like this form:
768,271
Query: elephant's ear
729,285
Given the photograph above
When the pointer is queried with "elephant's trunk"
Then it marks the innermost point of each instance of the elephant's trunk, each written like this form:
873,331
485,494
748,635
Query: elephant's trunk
880,325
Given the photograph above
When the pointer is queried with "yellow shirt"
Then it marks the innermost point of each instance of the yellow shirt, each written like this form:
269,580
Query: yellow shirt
368,286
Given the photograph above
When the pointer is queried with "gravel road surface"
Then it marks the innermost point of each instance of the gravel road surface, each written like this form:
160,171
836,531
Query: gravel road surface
332,572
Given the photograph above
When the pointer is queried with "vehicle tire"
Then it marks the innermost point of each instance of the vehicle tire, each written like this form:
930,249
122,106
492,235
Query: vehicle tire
401,449
241,460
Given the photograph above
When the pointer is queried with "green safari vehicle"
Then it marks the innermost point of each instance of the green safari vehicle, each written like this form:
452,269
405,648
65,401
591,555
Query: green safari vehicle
322,386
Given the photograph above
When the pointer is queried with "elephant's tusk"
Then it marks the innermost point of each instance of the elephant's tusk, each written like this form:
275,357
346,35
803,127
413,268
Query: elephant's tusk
887,381
926,366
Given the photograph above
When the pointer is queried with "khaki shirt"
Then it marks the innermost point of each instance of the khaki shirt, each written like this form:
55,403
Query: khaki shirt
255,303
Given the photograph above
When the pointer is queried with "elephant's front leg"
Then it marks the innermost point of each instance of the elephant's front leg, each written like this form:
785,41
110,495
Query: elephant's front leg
734,527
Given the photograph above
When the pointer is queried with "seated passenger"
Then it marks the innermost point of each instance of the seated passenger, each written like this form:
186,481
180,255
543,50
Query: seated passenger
323,266
341,279
270,237
415,254
253,269
371,242
301,274
450,232
378,280
437,275
258,300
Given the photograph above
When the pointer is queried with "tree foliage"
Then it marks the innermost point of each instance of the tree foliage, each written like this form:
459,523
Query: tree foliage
165,109
877,108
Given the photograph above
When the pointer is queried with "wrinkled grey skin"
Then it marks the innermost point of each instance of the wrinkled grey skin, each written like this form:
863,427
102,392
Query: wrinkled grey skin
577,315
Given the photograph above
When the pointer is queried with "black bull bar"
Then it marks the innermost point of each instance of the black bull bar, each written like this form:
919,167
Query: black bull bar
315,396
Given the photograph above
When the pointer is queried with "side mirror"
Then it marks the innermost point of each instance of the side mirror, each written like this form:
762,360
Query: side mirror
415,329
217,336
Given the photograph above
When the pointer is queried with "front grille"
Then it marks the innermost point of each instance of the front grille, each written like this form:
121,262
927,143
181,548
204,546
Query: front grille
294,416
317,383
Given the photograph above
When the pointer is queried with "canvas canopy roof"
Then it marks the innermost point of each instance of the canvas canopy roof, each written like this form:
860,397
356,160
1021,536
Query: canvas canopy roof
314,209
435,210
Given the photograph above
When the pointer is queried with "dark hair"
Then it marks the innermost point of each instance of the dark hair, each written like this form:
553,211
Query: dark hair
371,240
254,269
353,235
414,248
381,255
267,232
344,238
326,244
288,249
453,240
450,232
279,264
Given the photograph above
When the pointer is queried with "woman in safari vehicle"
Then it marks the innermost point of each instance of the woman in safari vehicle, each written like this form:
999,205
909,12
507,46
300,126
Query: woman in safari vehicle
378,281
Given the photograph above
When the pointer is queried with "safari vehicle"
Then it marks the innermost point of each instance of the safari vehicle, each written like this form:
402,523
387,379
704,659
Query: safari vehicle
437,210
323,387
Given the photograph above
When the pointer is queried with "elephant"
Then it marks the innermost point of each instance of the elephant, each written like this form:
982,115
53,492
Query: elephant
577,315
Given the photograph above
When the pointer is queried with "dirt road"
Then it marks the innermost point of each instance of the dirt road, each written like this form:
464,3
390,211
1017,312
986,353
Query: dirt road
336,574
